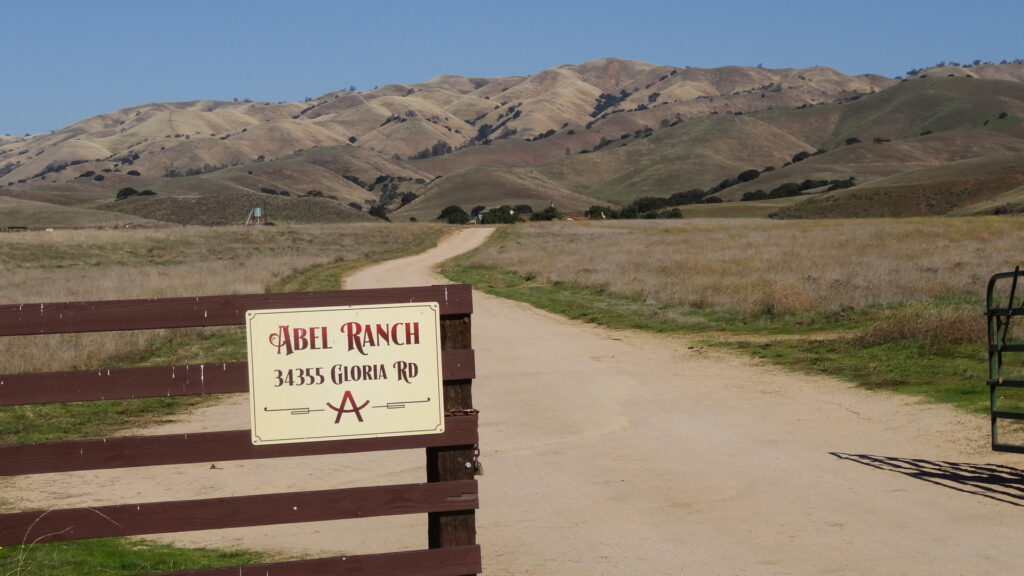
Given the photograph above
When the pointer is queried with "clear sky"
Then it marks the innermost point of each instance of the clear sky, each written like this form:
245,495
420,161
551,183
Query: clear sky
63,61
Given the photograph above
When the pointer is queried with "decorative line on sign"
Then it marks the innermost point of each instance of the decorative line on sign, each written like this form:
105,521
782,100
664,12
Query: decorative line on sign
397,405
294,411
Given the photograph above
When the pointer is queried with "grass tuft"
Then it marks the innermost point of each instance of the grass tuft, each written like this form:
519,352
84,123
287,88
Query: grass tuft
935,327
114,557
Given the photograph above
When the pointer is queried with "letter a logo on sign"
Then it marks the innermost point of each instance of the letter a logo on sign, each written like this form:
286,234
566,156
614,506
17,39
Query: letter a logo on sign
345,400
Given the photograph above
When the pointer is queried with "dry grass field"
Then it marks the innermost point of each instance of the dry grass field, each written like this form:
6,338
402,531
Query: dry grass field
69,265
775,267
888,304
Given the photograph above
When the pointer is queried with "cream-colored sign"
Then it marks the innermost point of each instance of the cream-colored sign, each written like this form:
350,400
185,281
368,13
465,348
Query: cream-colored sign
344,372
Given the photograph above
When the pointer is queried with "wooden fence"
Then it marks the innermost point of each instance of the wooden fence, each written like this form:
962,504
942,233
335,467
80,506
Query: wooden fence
448,497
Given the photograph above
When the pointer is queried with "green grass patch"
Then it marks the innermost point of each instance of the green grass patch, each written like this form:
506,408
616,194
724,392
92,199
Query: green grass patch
114,556
80,420
954,376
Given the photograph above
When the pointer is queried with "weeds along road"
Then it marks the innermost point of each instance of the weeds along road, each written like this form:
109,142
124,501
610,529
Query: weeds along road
617,453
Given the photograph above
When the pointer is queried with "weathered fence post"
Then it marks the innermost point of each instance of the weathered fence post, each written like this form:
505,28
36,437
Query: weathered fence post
448,529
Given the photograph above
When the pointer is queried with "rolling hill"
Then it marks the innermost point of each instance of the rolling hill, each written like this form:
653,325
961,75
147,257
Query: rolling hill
606,131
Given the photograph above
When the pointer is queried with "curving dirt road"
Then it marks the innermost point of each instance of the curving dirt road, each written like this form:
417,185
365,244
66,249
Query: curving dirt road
615,452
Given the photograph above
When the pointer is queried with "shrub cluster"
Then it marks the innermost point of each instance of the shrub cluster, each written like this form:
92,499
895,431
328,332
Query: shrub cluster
273,192
790,189
654,207
547,214
57,167
128,192
503,214
439,148
380,211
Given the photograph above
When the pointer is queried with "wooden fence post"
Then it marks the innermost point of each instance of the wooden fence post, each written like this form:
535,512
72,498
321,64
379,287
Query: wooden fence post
449,529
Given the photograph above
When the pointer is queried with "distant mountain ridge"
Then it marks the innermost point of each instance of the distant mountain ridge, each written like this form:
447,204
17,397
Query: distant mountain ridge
607,130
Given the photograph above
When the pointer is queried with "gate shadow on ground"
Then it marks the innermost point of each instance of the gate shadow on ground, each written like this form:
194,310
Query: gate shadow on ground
994,481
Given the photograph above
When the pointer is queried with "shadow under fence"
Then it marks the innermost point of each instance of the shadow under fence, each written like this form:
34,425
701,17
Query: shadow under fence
995,481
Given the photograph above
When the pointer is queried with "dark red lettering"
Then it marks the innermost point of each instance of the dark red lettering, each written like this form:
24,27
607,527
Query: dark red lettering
299,340
282,339
353,330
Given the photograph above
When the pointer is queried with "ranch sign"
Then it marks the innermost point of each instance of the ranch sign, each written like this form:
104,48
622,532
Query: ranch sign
344,372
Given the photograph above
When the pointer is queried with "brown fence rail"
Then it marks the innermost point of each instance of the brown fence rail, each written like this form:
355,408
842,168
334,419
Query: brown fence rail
448,497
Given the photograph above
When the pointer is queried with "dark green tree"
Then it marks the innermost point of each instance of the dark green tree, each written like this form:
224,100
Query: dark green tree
501,215
454,215
748,175
126,192
601,213
547,214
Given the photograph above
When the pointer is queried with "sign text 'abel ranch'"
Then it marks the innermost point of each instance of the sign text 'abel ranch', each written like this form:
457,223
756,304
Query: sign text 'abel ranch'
344,372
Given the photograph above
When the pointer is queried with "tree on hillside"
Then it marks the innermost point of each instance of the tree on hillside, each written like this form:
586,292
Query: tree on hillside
801,156
126,192
503,214
748,175
692,196
453,215
601,213
549,213
407,197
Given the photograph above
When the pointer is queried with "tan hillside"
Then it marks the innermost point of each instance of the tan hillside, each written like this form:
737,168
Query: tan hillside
915,124
695,154
610,129
199,135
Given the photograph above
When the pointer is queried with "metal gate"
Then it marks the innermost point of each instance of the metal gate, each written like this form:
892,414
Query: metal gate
1004,302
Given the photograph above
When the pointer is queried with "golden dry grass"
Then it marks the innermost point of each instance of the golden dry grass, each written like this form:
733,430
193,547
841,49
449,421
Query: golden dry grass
775,267
77,265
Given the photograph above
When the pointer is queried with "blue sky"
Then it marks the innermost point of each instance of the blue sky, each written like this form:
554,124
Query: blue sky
63,61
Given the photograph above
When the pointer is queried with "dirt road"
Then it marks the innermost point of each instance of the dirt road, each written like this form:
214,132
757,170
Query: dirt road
615,453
